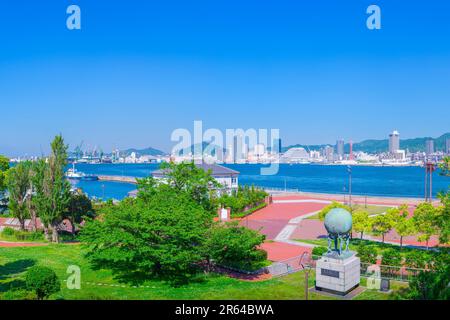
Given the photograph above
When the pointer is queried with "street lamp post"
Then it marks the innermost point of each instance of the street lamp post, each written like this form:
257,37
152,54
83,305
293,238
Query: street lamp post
349,169
306,267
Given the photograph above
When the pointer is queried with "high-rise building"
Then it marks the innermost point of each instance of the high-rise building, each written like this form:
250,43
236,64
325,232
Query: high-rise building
276,146
447,146
340,148
328,153
394,141
237,148
429,146
219,155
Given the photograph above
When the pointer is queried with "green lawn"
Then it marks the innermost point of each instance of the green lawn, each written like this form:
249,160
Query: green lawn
100,284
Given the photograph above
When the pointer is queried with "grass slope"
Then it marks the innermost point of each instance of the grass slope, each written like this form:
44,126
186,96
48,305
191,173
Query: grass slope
100,284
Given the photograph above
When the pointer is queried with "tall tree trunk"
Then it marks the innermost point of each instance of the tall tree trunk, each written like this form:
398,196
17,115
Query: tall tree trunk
34,219
46,233
383,237
362,233
55,235
33,216
22,224
401,242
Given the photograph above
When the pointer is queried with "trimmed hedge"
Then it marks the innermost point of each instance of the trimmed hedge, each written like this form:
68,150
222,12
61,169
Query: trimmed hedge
17,235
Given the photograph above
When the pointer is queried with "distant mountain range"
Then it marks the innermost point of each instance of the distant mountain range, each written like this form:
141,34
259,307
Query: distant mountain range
379,146
369,146
143,152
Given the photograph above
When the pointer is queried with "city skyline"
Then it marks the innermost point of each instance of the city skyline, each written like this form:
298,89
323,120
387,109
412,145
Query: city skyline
339,146
133,74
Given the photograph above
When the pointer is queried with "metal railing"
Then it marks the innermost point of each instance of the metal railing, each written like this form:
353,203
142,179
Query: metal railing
291,265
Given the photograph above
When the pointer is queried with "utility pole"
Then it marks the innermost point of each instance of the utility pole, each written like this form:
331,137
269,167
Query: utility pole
425,182
429,168
431,182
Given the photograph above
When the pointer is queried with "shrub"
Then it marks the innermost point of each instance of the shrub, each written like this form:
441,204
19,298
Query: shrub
243,200
18,294
417,259
231,245
66,236
332,205
248,212
428,286
8,232
319,251
29,236
391,257
43,281
367,254
22,235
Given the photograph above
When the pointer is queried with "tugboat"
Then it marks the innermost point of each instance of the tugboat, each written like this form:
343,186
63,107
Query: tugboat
74,174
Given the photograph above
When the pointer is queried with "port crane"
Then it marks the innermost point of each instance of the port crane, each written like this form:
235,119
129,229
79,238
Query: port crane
79,151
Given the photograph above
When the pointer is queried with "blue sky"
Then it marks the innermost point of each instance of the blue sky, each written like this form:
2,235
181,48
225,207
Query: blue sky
140,69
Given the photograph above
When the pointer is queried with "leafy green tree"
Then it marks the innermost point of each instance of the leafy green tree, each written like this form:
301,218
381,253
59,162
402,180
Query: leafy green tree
80,206
43,281
445,167
361,222
417,259
158,234
382,224
403,225
391,260
52,190
19,187
391,257
198,183
442,219
428,285
4,167
235,246
425,217
367,254
332,205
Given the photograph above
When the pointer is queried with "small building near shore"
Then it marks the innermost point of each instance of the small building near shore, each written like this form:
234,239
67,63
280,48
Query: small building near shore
227,177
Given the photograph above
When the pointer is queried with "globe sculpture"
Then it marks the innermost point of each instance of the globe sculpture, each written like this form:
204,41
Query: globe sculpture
338,223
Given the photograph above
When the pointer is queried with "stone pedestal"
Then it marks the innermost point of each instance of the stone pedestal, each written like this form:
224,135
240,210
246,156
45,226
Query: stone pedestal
338,274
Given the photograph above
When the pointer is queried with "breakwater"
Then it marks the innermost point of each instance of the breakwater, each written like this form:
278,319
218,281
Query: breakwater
124,179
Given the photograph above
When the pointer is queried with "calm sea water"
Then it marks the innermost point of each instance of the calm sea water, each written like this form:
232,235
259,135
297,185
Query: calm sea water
366,180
